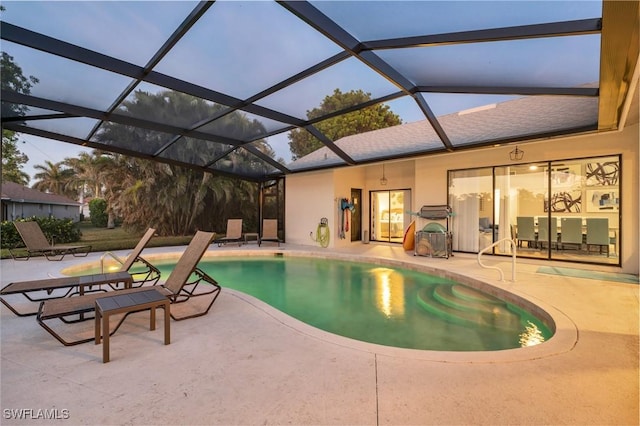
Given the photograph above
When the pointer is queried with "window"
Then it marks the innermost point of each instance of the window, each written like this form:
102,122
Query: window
560,210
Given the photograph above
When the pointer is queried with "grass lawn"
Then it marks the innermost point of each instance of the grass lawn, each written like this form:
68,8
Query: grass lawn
103,239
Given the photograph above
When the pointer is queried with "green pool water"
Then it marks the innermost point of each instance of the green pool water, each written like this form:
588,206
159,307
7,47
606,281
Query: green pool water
379,304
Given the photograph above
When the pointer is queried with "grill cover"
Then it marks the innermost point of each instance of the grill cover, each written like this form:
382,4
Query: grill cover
434,228
435,212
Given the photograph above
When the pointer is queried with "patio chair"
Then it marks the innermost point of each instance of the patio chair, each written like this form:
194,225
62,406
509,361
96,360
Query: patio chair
526,231
269,231
182,285
546,229
36,243
184,281
234,233
571,232
598,233
56,288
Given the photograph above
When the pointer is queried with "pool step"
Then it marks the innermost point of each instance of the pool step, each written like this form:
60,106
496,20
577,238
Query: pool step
450,296
444,301
471,294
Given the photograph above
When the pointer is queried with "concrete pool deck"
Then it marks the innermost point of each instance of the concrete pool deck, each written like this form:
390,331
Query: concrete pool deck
245,363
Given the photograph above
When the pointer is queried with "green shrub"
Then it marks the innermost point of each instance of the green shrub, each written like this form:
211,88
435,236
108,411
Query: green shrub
98,212
61,231
9,235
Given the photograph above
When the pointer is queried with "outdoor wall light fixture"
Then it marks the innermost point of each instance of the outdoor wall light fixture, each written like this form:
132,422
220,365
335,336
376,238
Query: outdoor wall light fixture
516,154
383,179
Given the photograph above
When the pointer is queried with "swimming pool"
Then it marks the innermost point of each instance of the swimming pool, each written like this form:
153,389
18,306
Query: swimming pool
386,305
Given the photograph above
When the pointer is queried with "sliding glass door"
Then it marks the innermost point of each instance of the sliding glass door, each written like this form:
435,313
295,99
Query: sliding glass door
521,192
473,225
584,208
390,215
559,210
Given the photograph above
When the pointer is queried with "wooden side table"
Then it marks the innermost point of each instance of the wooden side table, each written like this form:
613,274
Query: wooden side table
127,303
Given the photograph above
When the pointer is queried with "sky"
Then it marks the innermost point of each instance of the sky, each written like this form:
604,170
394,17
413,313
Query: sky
241,48
40,150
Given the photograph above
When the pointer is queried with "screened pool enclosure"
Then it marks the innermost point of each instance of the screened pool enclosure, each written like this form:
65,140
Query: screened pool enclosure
218,86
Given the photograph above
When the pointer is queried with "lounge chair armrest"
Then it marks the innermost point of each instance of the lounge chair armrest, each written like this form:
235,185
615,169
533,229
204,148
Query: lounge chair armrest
204,276
148,265
152,274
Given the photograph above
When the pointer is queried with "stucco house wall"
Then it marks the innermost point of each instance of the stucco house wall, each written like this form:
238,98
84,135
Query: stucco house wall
344,179
309,197
312,195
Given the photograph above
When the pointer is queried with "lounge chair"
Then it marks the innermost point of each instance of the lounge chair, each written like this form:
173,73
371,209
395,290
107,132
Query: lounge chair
36,243
269,231
182,285
56,288
149,273
234,233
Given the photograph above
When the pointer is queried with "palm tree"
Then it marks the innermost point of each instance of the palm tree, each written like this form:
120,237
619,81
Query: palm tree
55,178
88,168
143,192
177,200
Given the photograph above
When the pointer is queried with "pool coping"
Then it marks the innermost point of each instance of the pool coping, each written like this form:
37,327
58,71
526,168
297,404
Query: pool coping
564,339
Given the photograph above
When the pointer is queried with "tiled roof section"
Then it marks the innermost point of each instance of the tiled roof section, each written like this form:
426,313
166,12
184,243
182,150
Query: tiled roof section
521,117
412,137
15,192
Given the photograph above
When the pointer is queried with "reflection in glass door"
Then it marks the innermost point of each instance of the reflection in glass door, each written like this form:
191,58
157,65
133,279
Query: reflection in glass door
390,215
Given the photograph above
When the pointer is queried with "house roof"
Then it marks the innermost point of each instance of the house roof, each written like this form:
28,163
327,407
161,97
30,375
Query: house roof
519,118
21,194
254,70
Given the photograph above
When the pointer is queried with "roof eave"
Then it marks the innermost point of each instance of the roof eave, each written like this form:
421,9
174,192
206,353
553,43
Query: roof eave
619,59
